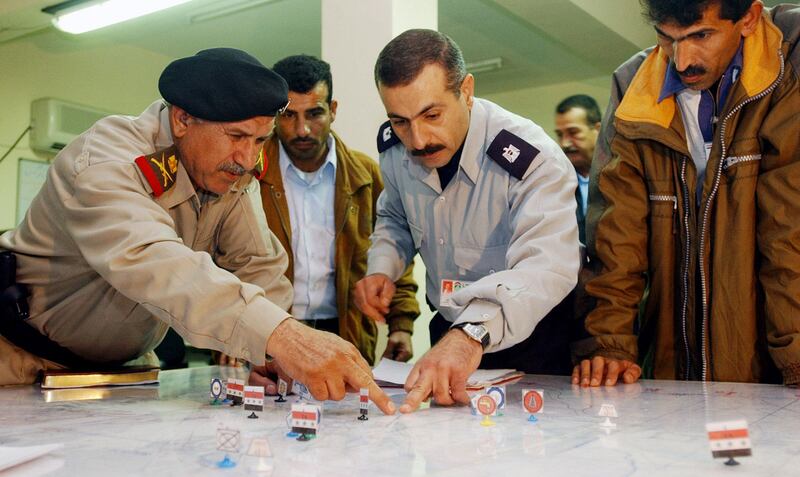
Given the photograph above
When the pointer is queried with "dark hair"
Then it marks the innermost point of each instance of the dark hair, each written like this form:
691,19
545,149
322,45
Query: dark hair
303,72
586,103
689,12
403,58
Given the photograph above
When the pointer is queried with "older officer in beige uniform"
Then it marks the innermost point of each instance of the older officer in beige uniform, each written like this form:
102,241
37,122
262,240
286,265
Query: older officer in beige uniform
155,221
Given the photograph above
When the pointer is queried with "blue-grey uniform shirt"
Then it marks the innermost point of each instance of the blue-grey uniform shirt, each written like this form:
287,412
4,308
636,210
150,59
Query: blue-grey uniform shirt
515,239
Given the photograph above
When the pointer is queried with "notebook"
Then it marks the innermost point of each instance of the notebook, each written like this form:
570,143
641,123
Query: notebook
129,376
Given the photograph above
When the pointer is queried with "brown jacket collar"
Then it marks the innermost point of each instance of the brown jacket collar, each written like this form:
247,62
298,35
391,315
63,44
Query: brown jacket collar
761,67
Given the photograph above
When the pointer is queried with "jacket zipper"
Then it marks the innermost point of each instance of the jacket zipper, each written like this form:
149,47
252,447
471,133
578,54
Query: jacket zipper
686,256
707,209
733,160
665,198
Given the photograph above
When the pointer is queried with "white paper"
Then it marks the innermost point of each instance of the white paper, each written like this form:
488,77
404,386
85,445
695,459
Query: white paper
11,456
394,372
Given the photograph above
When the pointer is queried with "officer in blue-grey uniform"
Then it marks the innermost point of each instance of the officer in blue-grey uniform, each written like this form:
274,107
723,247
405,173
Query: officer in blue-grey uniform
487,199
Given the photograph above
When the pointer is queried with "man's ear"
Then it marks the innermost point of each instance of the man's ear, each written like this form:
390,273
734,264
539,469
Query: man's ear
334,104
468,89
751,18
178,121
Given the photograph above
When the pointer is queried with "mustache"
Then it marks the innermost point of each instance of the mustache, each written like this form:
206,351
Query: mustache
232,167
692,70
303,140
427,150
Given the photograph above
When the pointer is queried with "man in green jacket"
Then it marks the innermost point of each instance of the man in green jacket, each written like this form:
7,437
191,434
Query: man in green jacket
319,197
694,198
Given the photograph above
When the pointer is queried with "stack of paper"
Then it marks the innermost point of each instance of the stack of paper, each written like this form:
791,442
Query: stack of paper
389,373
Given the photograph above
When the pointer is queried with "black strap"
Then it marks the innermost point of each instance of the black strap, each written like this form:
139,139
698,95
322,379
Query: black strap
20,333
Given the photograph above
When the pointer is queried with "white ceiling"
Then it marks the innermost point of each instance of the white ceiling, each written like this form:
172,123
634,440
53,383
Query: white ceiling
541,42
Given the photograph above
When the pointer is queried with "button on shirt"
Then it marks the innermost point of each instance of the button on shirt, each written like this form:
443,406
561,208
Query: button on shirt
515,241
310,199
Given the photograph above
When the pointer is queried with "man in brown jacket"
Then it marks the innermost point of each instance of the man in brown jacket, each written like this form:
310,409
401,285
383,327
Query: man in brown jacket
697,170
319,197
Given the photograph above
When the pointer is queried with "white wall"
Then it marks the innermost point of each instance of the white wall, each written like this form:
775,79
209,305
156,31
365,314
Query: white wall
119,79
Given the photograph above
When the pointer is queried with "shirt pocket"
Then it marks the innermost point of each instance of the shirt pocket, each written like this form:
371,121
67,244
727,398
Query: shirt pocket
475,263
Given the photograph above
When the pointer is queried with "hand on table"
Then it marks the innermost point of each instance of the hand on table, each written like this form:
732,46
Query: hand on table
443,372
605,370
373,295
399,347
328,365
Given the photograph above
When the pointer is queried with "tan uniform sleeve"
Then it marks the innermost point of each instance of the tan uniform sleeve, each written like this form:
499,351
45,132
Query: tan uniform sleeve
404,308
621,247
778,231
131,242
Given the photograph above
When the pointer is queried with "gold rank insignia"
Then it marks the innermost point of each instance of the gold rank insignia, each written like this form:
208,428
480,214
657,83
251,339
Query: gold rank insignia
260,169
160,169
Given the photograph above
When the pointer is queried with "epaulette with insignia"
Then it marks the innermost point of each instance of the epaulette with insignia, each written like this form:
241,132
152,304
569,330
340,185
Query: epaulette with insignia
160,169
260,169
513,153
386,137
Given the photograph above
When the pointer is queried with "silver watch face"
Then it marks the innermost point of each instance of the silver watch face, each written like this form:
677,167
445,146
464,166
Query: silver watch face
476,332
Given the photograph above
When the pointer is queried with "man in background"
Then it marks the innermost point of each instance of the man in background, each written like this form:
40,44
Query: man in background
319,197
577,126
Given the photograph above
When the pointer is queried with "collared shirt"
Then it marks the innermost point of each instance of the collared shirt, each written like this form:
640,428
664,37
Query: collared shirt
583,187
514,241
699,110
310,199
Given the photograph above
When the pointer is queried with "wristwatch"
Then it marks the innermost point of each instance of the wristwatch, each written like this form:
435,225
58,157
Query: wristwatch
476,331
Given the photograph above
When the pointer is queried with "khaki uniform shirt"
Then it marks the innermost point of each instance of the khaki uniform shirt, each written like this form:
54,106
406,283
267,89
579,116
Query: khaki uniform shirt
110,267
515,240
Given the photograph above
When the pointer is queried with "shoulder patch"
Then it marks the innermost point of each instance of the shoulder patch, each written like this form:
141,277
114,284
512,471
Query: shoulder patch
386,137
160,169
260,169
513,153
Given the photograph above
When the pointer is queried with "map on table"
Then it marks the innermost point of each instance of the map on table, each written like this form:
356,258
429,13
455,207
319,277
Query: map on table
172,430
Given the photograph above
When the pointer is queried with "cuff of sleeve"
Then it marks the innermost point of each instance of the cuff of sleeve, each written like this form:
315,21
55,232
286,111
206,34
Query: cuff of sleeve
590,347
401,323
791,374
253,328
488,314
384,265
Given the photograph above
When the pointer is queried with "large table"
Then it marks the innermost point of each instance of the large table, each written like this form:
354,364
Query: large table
171,429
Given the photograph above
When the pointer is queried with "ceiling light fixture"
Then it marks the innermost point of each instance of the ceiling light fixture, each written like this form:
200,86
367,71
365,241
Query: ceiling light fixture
484,66
80,16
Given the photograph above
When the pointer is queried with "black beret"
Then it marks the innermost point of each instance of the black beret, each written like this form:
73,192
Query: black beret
223,84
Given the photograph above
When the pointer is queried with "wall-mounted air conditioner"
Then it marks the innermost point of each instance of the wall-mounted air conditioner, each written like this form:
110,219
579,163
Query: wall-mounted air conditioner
55,123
